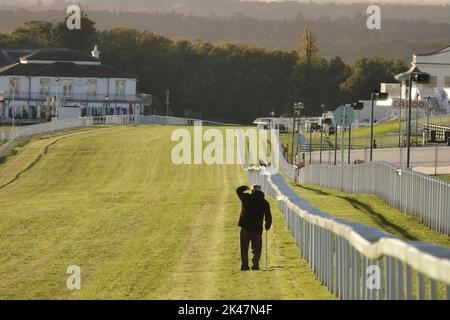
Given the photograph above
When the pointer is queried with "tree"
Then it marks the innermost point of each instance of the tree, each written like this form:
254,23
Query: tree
308,50
33,34
76,39
367,75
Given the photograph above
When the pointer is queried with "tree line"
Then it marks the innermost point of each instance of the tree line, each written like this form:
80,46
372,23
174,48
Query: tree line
227,82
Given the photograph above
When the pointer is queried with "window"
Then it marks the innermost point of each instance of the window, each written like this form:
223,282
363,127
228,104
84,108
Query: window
44,85
120,88
14,86
91,87
68,87
447,82
433,82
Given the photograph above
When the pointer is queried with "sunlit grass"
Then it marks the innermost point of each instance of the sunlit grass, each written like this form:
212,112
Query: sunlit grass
371,211
110,201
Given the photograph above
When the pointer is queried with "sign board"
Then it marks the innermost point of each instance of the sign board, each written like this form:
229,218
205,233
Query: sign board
397,103
344,116
299,139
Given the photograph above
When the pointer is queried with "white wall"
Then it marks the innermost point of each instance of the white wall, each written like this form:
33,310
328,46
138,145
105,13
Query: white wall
57,90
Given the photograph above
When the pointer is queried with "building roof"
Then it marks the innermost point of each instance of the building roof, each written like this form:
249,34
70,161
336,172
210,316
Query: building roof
64,69
446,49
12,55
60,55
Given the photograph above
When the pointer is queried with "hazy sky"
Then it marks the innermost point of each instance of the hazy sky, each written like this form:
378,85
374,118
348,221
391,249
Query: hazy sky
425,2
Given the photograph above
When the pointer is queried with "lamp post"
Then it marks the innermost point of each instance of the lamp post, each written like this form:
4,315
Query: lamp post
374,96
298,107
427,131
414,74
349,144
321,134
310,144
408,147
335,143
400,118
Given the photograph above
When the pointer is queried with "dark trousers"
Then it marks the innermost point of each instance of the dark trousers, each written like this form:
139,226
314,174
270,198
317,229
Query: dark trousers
255,239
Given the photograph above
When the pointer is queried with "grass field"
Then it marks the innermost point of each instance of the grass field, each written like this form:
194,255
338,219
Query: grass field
110,201
444,177
371,211
385,133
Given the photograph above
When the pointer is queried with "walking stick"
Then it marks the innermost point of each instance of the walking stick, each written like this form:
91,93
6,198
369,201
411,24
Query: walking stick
267,256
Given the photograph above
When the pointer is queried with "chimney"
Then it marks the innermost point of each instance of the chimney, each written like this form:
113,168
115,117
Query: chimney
95,53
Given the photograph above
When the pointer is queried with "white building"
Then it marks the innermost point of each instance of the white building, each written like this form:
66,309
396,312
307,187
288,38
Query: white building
43,82
437,65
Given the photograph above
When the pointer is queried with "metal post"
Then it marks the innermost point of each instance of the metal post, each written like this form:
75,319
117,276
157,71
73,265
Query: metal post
427,135
371,126
310,145
400,118
342,145
13,108
321,135
408,147
293,136
417,119
349,144
335,143
436,159
321,143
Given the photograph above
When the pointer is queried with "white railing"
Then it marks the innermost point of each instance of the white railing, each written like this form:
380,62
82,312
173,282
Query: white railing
20,133
414,193
354,261
422,196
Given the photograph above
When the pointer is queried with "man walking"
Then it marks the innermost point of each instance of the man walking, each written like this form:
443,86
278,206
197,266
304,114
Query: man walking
255,209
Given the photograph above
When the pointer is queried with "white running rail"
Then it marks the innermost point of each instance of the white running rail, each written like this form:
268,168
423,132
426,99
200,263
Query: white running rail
345,256
57,125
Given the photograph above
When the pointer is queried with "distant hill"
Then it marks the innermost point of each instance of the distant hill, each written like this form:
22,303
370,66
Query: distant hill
274,10
345,37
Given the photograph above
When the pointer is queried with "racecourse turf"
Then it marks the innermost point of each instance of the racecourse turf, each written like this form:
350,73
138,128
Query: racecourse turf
110,201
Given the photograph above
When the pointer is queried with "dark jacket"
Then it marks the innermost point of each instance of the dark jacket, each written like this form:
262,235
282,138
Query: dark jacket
254,209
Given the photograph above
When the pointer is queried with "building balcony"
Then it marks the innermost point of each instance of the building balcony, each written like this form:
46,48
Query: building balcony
98,98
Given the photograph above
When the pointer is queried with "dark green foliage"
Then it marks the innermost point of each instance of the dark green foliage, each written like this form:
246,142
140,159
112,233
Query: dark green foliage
228,82
368,73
